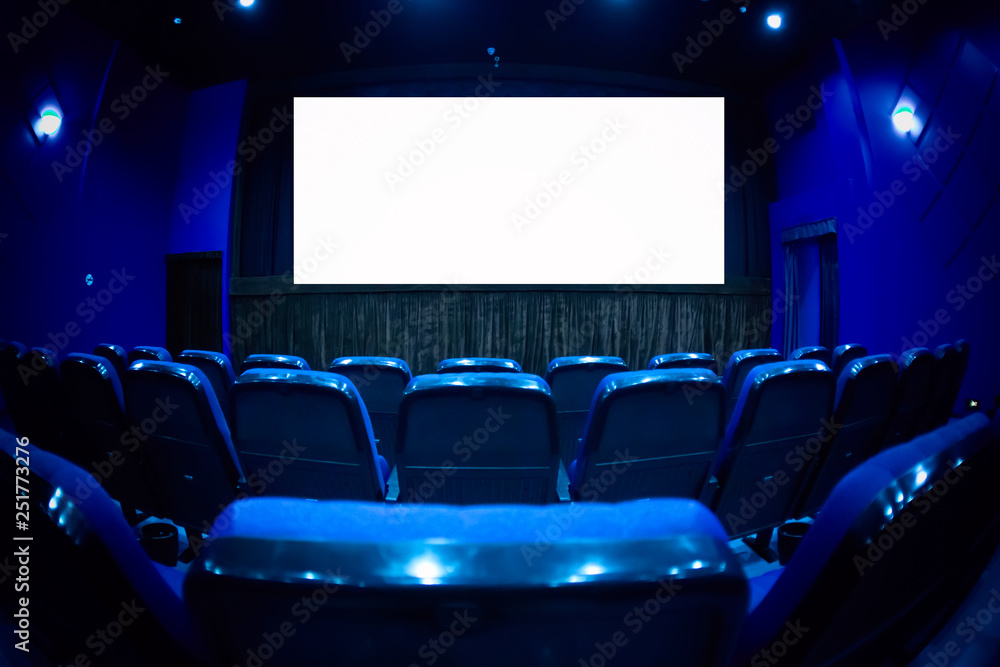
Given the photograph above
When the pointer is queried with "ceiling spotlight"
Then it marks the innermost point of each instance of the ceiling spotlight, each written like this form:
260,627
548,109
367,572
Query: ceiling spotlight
743,9
177,20
50,122
903,119
774,21
246,3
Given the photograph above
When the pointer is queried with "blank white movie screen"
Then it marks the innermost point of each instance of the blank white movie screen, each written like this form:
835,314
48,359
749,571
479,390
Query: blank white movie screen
509,190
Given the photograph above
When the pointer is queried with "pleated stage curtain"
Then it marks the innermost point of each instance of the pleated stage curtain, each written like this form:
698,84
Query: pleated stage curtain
530,327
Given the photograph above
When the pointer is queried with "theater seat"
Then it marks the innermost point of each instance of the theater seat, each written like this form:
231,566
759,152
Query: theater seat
116,355
274,361
380,381
816,352
217,369
573,381
370,584
946,382
305,434
44,408
875,575
650,434
10,382
186,446
88,575
843,355
683,360
739,366
148,353
761,464
479,365
100,435
470,438
913,391
862,408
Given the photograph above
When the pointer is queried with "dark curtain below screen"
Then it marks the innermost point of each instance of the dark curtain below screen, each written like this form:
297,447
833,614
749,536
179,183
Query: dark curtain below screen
194,302
530,327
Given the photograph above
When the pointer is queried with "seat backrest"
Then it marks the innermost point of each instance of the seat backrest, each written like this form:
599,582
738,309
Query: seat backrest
683,360
305,434
651,433
738,368
217,369
12,385
380,381
479,365
274,361
116,355
761,465
913,391
946,382
44,406
873,570
148,353
99,432
467,438
843,355
862,407
184,440
480,575
88,573
817,352
573,381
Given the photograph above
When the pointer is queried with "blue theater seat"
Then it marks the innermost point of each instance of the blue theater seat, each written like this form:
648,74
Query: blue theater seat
184,441
44,408
286,361
89,575
913,391
380,381
116,355
468,438
573,381
396,585
305,434
683,360
862,408
816,352
881,569
762,464
843,355
148,353
946,382
217,369
738,368
650,433
100,435
479,365
13,388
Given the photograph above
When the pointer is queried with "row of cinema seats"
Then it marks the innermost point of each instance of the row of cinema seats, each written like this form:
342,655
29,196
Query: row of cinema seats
164,445
900,543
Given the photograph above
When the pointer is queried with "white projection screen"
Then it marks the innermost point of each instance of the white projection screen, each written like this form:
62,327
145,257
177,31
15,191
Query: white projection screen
508,190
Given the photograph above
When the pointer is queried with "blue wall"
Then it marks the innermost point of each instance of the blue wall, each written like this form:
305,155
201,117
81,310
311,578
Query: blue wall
915,221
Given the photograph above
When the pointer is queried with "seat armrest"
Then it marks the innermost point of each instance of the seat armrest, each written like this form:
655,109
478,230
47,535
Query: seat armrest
392,492
562,484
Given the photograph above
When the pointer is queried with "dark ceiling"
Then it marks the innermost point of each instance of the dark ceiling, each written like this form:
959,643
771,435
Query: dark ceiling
218,41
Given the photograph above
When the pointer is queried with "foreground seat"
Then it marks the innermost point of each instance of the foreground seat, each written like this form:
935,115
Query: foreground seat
913,391
650,433
468,438
479,365
862,408
843,355
101,436
380,381
305,434
761,464
395,585
738,368
116,355
683,360
876,573
148,353
186,445
816,352
286,361
88,575
217,369
573,381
